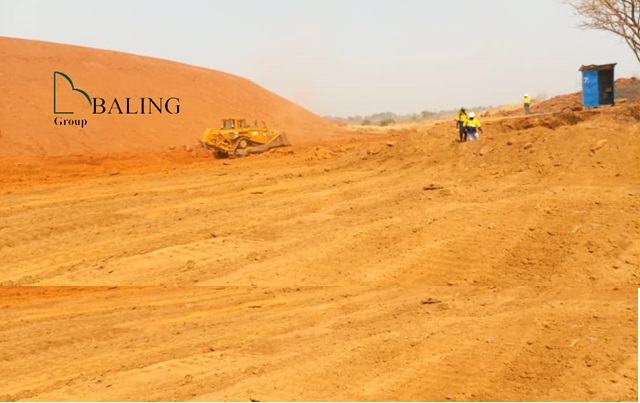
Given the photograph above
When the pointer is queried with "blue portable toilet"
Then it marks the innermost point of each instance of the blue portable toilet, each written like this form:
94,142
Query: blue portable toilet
598,85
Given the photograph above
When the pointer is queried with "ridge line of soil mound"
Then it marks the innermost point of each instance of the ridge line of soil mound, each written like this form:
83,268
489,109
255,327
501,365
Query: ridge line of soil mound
205,96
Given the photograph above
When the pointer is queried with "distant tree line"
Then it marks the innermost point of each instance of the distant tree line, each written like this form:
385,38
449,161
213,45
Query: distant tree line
390,118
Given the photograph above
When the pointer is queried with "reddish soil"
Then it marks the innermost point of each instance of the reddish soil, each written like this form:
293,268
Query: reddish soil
26,94
403,266
628,89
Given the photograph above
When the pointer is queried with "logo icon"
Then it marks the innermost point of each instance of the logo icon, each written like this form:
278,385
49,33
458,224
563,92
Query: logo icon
73,88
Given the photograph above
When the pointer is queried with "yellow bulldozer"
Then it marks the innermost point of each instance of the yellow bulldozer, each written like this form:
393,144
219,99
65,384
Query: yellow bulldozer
236,138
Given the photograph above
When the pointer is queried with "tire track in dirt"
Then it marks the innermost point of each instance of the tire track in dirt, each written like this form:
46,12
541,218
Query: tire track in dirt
378,230
236,343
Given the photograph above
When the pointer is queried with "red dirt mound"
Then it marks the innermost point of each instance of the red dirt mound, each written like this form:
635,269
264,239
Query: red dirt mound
626,88
27,116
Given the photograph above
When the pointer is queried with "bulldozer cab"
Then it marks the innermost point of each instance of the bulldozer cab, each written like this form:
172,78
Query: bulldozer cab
234,124
228,124
241,124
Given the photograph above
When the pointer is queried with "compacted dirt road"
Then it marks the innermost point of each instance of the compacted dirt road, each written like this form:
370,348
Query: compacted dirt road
408,267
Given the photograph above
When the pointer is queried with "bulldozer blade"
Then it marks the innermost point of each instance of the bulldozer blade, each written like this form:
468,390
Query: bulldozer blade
279,141
284,141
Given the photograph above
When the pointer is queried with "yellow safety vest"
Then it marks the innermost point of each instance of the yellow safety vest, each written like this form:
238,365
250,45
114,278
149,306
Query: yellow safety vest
462,116
472,123
527,100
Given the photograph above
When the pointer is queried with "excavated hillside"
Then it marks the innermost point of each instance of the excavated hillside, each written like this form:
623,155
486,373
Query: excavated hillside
27,116
396,265
627,90
414,269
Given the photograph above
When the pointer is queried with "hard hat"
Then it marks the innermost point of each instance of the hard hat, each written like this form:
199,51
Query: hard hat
472,115
526,95
462,108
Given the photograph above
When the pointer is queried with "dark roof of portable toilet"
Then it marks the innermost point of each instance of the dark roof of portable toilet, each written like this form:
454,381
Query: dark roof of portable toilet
598,67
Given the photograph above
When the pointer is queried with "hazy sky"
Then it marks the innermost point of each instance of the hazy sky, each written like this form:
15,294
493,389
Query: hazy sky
346,57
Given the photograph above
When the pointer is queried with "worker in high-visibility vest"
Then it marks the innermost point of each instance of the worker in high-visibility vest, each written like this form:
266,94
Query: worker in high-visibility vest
472,127
527,104
462,117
